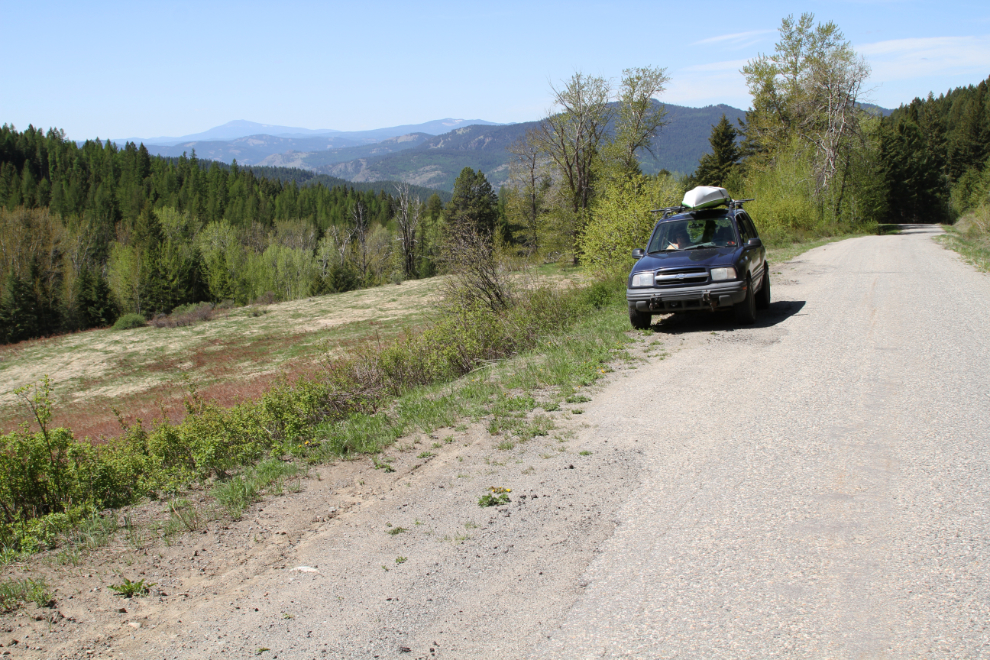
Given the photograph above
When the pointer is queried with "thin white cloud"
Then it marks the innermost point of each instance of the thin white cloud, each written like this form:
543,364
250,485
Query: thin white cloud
736,39
903,59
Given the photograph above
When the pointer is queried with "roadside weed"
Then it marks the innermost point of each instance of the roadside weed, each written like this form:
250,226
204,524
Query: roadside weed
129,589
497,497
15,592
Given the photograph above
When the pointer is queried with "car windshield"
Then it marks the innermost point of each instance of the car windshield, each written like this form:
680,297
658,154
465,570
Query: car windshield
693,234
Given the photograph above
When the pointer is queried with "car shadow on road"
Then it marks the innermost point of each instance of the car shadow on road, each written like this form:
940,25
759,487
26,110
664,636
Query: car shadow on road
676,324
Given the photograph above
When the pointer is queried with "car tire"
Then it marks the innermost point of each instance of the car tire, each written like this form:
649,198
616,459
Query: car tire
746,310
639,320
763,297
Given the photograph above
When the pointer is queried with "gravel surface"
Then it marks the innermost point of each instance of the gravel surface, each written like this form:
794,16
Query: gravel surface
816,485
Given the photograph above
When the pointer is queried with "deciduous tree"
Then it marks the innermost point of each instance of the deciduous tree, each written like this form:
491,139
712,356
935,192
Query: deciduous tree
807,89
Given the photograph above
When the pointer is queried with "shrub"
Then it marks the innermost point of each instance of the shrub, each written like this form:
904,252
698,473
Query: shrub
606,292
267,298
129,322
621,220
184,315
478,272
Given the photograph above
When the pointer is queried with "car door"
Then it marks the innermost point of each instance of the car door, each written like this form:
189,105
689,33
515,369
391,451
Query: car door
750,254
758,256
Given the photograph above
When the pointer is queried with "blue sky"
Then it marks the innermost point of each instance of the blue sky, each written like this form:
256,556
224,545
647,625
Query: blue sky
121,69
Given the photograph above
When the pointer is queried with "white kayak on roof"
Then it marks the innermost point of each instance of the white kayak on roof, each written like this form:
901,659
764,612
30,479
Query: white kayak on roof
704,197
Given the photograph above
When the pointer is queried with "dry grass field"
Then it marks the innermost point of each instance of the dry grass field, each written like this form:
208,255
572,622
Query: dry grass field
145,372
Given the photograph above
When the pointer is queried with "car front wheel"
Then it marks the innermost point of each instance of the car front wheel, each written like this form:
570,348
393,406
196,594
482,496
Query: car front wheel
639,320
746,310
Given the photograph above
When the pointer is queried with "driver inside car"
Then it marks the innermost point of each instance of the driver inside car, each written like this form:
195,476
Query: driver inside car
680,239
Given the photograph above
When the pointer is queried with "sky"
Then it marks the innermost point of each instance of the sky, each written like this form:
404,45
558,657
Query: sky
144,69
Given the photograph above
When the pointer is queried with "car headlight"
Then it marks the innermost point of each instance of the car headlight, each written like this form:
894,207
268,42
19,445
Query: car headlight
719,274
642,279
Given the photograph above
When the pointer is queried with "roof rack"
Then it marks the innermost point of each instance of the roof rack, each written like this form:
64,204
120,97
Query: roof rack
670,210
673,210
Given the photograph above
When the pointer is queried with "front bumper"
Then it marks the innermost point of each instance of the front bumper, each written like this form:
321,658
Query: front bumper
710,296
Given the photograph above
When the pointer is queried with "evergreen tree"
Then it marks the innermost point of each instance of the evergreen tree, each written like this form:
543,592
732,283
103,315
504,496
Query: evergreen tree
713,169
474,204
18,311
917,185
434,207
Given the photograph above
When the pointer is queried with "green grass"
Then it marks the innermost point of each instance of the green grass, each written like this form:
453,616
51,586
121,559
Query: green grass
267,478
15,592
972,246
93,532
564,363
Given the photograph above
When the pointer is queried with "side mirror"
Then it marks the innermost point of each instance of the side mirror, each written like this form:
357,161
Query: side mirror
754,242
638,253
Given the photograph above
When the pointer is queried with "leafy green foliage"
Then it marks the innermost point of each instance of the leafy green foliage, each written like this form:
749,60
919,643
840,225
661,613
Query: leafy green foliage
130,322
622,220
497,497
129,589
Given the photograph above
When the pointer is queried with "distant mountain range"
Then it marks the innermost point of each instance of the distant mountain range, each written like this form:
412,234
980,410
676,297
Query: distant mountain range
430,154
241,128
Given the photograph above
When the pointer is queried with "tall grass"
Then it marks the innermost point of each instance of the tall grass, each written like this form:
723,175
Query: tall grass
970,237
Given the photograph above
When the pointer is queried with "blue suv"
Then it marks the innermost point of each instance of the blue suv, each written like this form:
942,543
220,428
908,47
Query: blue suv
700,260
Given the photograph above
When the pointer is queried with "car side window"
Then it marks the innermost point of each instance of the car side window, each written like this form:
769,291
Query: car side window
752,226
745,232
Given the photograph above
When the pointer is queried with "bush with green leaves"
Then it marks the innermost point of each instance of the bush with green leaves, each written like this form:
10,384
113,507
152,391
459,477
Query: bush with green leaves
130,322
621,220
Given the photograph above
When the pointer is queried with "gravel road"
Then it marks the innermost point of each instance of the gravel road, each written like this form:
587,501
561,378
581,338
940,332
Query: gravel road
816,485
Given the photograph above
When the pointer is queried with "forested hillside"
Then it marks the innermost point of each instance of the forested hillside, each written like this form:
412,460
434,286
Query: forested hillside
89,232
937,150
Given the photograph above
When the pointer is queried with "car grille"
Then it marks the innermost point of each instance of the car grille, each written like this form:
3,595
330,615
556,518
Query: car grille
681,276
